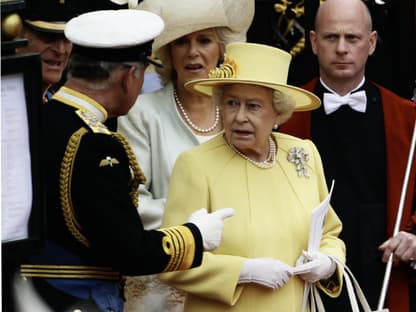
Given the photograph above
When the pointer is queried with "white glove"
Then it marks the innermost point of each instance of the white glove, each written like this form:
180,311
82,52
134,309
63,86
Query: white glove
210,225
267,272
320,266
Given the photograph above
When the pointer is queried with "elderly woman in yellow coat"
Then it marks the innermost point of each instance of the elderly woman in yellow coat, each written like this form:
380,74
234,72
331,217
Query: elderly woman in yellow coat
273,180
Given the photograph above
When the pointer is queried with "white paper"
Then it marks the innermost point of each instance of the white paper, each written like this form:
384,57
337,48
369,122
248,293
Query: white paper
317,224
16,177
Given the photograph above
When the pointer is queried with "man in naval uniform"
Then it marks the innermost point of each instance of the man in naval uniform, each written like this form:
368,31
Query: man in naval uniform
94,232
43,27
364,147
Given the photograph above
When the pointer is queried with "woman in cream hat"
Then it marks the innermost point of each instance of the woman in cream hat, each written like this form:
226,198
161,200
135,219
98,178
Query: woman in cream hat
164,123
272,180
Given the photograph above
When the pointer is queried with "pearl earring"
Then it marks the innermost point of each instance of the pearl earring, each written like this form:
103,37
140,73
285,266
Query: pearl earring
276,126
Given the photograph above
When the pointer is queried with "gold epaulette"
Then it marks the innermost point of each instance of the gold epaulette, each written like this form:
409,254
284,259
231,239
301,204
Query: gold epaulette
68,271
92,122
179,244
67,165
65,179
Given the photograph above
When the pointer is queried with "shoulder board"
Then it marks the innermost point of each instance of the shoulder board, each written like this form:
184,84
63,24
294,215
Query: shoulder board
92,122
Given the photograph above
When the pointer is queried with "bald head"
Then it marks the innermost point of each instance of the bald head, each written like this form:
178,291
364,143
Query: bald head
343,40
331,8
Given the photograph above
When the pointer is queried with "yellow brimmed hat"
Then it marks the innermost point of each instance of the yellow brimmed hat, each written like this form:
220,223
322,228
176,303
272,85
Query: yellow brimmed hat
256,64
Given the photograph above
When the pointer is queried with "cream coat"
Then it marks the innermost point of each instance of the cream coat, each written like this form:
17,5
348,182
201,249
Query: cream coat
157,135
272,218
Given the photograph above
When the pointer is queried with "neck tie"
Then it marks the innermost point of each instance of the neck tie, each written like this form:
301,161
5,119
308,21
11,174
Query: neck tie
357,101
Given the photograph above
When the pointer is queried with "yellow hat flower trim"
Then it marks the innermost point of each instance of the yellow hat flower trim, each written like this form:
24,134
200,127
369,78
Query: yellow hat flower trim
228,69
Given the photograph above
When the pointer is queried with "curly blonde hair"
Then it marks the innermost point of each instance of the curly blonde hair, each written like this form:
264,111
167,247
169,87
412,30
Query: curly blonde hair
167,73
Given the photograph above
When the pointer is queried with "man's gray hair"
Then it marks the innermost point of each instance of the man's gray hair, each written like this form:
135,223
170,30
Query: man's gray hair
98,74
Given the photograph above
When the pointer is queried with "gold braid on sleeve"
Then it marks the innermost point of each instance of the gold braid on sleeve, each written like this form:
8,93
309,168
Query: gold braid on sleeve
137,173
65,179
179,244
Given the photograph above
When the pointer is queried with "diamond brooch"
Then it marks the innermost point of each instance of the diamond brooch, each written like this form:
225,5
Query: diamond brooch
299,157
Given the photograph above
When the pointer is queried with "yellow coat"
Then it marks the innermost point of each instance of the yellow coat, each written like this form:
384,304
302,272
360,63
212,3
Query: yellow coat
272,220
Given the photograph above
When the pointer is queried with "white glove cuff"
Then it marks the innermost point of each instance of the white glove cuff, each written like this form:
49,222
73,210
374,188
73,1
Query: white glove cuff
331,269
245,276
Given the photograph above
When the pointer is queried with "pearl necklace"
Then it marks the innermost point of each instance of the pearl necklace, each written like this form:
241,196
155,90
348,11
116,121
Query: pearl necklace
265,164
189,121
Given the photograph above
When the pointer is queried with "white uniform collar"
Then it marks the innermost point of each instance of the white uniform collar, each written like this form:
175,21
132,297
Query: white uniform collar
81,101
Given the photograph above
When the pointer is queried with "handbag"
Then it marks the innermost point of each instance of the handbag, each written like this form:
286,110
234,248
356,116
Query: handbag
355,294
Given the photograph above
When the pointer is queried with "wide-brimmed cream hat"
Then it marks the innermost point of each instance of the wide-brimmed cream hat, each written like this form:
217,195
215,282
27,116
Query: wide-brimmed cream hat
256,64
183,17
